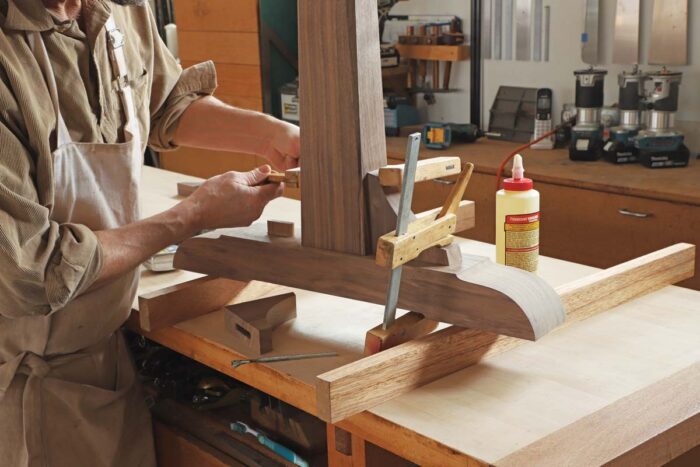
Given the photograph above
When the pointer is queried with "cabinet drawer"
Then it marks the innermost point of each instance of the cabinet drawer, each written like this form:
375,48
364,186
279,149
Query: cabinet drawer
604,229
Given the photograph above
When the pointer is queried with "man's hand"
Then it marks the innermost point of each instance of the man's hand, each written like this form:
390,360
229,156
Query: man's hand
232,199
284,146
229,200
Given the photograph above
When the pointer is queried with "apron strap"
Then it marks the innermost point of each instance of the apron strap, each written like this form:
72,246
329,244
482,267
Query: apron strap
36,44
115,40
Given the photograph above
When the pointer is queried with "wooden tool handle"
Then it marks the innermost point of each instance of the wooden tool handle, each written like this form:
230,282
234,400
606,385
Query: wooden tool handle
290,177
455,196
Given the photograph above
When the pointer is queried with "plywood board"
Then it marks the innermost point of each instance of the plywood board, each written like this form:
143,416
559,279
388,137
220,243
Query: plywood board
505,402
359,386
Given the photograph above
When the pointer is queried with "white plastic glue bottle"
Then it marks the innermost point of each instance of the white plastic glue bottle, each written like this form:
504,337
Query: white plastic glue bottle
518,221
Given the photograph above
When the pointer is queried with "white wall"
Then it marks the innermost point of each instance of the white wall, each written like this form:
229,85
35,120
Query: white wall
567,18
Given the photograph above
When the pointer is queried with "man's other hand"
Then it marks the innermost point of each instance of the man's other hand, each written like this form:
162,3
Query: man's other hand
284,146
232,199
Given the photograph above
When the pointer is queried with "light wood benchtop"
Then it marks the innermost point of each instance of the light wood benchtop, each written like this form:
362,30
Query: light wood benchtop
623,383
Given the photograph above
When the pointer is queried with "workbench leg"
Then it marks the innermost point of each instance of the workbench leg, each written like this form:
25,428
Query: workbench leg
344,448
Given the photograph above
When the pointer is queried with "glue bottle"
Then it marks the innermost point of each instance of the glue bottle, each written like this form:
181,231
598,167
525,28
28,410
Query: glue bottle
518,221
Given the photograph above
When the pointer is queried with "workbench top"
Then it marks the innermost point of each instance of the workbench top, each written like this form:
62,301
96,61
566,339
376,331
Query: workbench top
553,166
616,386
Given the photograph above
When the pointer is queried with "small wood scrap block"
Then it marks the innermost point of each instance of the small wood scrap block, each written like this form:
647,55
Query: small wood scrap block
275,177
408,327
187,188
252,323
292,177
280,229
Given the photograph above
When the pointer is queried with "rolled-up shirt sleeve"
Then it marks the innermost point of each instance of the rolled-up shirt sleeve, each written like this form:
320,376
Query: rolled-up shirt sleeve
172,91
43,264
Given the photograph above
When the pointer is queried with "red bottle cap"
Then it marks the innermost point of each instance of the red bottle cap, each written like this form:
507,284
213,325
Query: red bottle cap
517,184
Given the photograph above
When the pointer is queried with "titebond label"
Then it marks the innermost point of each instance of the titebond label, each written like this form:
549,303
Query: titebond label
522,240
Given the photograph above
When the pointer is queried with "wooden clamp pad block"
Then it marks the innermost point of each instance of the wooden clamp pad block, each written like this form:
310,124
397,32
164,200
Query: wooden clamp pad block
280,228
426,169
187,300
405,328
252,323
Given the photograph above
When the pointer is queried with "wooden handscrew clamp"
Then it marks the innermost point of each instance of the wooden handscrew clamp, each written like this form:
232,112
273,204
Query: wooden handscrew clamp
408,241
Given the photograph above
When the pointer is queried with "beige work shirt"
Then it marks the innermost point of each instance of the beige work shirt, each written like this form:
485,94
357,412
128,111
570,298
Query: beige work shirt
45,265
42,264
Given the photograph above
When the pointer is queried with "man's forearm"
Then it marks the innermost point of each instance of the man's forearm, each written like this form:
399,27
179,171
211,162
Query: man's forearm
208,123
125,248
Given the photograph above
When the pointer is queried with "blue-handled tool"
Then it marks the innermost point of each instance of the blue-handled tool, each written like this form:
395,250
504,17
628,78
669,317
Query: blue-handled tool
291,456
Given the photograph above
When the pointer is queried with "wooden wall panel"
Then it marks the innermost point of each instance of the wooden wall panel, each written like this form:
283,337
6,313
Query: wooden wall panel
240,48
217,15
225,31
250,103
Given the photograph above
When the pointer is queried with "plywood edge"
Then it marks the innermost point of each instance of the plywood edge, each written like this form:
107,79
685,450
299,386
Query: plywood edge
407,443
633,430
323,400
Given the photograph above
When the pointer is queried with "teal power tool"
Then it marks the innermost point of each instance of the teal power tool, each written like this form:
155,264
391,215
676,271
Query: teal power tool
660,145
620,149
441,135
587,135
288,454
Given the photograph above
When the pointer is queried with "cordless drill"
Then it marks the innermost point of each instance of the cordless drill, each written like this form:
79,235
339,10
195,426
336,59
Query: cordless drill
442,135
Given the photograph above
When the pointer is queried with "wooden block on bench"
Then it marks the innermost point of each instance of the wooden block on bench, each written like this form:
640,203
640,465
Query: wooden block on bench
252,323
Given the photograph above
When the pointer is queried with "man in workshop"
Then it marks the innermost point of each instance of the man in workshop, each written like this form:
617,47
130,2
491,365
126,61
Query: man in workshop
84,86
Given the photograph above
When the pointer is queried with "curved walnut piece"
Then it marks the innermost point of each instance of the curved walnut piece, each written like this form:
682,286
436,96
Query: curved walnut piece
478,294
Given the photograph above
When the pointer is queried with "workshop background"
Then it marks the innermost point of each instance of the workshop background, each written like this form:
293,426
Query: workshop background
225,386
567,23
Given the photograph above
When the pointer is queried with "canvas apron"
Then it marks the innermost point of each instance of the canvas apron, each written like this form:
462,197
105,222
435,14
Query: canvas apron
80,400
